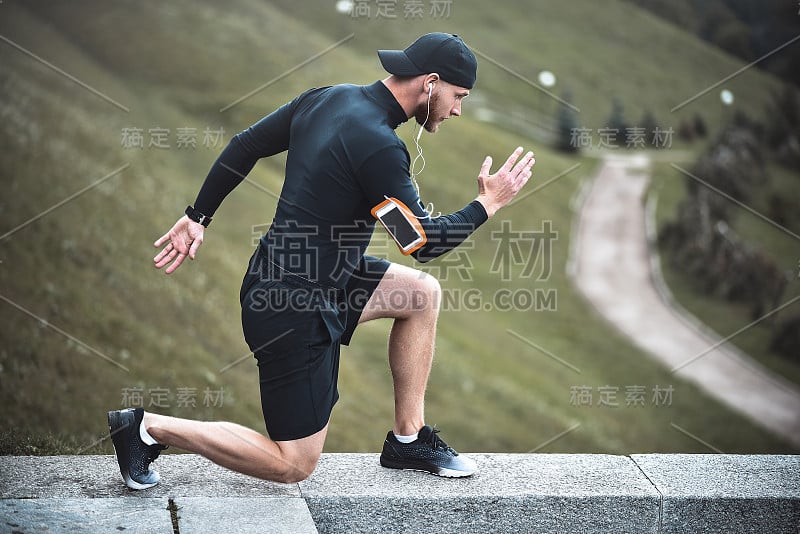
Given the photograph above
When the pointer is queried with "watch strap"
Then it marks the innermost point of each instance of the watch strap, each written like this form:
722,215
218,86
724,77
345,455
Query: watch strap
197,217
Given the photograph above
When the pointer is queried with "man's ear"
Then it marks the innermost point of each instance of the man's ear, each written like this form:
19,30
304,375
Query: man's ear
430,82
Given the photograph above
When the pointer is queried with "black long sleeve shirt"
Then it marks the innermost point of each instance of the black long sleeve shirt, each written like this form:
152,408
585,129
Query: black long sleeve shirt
344,158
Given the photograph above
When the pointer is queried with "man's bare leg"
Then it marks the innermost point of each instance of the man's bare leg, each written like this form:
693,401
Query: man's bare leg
412,299
240,449
408,296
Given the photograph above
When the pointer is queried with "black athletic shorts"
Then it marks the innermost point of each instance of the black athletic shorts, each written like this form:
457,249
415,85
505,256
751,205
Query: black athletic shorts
295,328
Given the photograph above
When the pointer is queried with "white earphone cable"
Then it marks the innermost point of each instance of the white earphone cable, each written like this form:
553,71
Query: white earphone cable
429,208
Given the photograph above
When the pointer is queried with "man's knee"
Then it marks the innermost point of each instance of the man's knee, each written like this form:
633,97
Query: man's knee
297,468
402,293
428,293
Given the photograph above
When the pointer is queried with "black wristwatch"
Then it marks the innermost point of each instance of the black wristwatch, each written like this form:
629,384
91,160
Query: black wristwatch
198,217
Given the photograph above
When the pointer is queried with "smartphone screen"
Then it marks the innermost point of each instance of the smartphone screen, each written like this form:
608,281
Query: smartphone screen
397,225
401,224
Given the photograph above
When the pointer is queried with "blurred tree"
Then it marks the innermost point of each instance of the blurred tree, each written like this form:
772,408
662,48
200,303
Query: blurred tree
745,28
616,120
649,123
786,340
735,38
700,128
713,15
566,126
686,130
680,13
783,127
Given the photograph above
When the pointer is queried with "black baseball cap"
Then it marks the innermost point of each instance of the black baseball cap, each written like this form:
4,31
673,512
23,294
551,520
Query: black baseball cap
442,53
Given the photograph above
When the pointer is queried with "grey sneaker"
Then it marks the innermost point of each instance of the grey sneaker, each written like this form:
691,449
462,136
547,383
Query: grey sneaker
428,453
133,455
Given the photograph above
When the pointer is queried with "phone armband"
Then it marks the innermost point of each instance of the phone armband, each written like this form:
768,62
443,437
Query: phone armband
401,224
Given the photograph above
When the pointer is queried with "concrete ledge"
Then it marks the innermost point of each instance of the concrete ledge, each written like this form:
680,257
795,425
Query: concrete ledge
86,494
268,515
725,492
512,492
352,493
75,515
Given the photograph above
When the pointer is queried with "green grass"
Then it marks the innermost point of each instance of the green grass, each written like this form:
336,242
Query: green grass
16,443
85,268
596,52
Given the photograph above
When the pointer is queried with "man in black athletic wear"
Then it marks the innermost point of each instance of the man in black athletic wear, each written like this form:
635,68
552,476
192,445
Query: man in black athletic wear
309,283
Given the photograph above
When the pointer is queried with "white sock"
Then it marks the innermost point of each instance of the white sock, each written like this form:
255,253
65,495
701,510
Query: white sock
407,439
145,435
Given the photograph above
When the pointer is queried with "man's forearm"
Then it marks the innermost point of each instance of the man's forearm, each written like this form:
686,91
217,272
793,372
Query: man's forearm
446,232
231,167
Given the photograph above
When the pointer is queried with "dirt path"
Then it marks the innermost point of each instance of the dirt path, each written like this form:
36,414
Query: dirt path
611,265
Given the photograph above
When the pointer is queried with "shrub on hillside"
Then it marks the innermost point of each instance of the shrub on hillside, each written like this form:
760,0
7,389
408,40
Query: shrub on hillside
734,164
701,241
566,126
700,128
786,340
616,119
783,128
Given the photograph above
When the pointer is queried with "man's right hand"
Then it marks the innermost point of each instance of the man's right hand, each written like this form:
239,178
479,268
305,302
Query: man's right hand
182,240
498,189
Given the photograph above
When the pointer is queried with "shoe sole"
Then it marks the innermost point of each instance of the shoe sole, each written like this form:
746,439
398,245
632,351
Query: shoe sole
116,425
424,468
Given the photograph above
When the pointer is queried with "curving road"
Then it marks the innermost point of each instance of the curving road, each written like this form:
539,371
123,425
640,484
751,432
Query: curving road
611,265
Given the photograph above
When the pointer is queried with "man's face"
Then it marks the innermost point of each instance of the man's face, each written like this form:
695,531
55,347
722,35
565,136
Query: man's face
445,102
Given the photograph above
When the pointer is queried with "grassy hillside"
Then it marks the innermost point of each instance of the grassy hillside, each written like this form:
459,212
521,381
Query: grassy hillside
598,52
85,267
